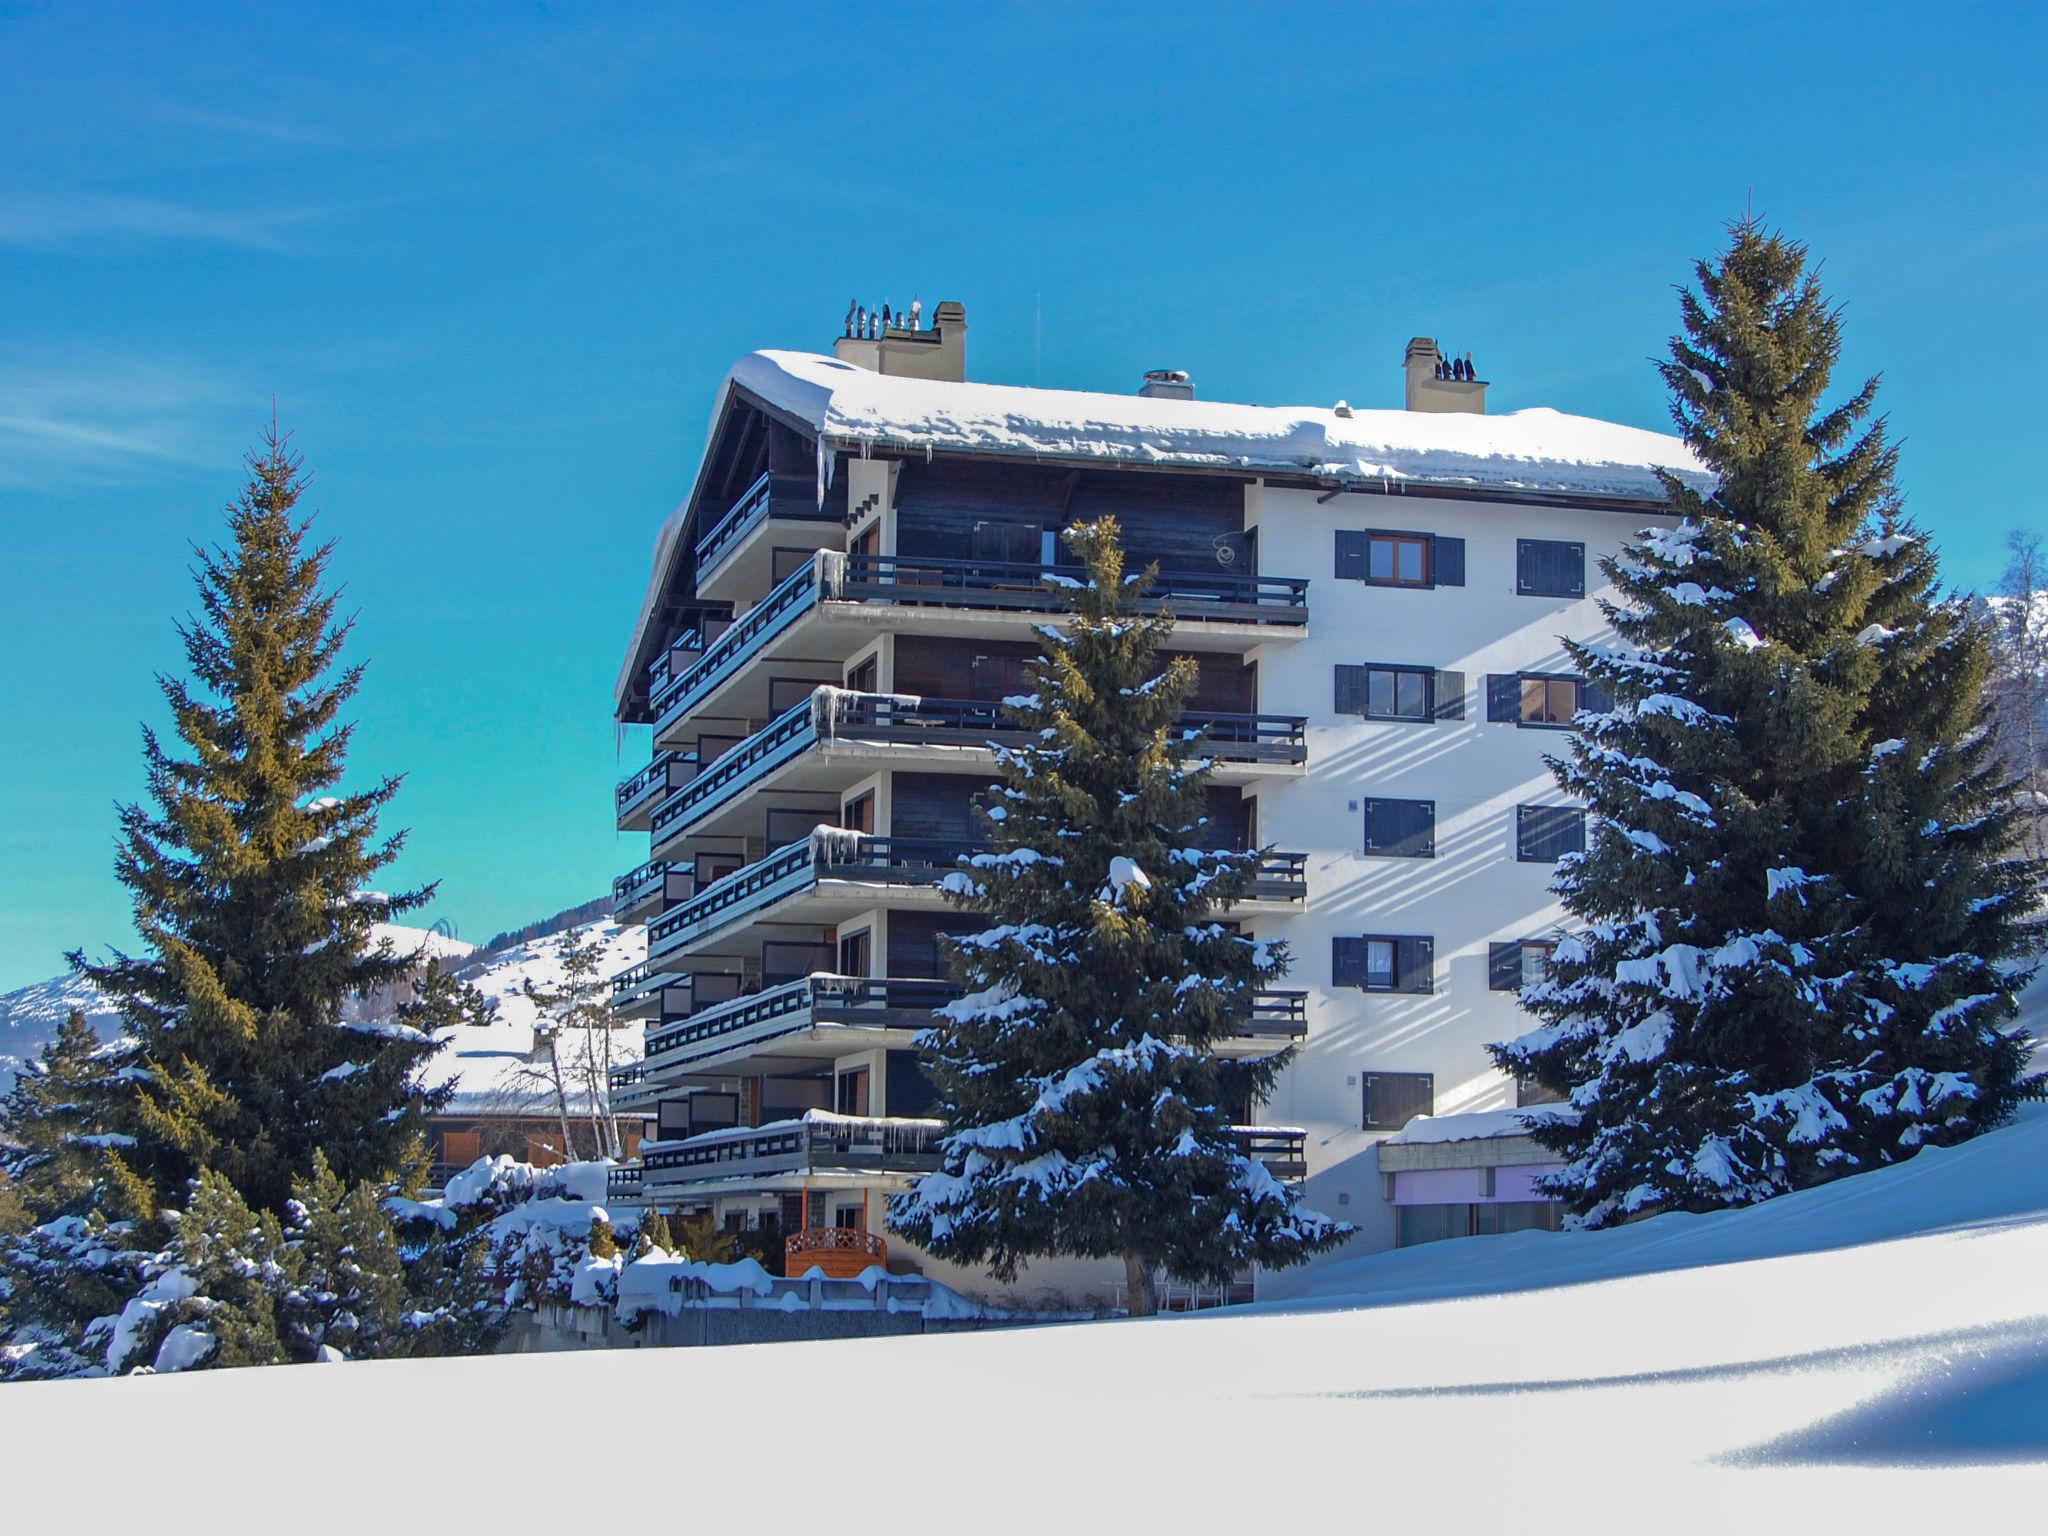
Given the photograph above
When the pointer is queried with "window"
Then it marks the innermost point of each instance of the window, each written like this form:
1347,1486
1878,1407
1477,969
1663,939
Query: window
853,1092
1517,963
1529,1093
1384,963
1390,691
1398,559
1415,1224
1543,699
461,1148
1392,1099
859,813
861,679
1546,833
1386,558
1550,568
1401,829
854,949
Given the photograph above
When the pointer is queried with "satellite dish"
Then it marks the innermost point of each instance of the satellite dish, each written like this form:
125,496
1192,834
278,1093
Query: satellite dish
1226,552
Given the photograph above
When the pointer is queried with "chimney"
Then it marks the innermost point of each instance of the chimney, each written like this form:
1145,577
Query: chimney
914,350
1167,384
1428,392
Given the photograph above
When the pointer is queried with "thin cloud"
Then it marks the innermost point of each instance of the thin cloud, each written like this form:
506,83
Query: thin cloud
106,417
235,125
83,218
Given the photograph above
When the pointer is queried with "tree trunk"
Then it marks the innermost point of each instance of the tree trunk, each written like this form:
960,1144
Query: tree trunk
1143,1293
561,1098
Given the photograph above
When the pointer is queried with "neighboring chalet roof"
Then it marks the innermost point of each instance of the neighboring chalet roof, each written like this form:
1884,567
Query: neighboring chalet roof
1536,453
491,1066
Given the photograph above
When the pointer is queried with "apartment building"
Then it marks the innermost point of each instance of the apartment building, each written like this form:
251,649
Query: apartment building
1375,600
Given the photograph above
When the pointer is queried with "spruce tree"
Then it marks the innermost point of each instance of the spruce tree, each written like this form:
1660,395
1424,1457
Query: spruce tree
1802,914
1087,1110
50,1143
248,876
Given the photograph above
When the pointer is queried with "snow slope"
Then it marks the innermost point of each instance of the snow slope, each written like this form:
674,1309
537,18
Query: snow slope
492,1066
1874,1354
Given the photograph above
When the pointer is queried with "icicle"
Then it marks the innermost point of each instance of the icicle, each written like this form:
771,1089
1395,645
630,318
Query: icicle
831,573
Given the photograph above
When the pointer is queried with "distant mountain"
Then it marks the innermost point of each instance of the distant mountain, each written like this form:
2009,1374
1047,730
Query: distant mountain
569,917
29,1017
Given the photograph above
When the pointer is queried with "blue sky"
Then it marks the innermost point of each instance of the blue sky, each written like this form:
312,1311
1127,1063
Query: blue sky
491,264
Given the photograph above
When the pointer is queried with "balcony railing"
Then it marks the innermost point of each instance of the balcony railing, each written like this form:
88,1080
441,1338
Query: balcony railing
831,854
795,595
878,1002
839,1253
820,1142
1280,601
667,771
648,883
884,719
1191,595
622,1181
827,854
1282,1148
754,506
783,738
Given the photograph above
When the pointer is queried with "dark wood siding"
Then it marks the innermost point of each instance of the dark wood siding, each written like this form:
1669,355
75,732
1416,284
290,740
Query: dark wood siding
1179,520
914,941
936,805
935,667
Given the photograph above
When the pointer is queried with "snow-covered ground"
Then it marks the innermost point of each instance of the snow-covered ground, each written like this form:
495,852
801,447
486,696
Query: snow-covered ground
1873,1354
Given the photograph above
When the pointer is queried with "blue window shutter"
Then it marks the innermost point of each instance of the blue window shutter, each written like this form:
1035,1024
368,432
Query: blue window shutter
1504,697
1351,554
1350,691
1347,962
1504,967
1447,562
1450,696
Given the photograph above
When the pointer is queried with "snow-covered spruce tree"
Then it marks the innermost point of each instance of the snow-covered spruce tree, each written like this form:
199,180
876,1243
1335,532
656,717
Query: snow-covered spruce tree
248,880
1087,1112
1802,913
49,1146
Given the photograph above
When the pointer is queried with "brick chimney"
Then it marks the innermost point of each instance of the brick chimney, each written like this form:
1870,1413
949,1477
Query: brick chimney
1427,392
937,351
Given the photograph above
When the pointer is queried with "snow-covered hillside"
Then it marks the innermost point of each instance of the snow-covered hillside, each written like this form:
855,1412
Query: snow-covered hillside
1775,1365
492,1066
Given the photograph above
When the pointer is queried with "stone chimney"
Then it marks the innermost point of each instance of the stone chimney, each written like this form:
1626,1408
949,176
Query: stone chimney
1167,384
909,350
1428,391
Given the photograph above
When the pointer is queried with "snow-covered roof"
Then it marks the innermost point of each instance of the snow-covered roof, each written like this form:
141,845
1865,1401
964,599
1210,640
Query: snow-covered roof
1537,450
1528,452
1479,1125
491,1065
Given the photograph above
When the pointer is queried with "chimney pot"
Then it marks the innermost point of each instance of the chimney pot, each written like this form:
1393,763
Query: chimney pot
1167,384
1427,391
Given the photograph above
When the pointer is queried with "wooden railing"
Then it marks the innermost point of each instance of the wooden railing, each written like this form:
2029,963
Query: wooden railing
755,505
842,1253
